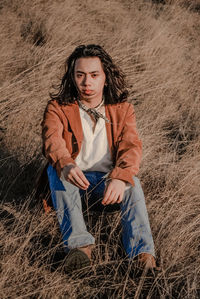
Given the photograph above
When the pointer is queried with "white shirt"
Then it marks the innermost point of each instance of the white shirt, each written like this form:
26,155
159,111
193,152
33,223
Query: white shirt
95,153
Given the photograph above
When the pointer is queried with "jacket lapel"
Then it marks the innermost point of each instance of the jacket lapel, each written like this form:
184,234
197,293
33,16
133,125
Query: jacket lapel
108,113
73,115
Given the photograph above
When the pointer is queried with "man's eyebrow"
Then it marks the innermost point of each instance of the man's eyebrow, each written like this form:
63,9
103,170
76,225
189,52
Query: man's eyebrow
78,71
94,72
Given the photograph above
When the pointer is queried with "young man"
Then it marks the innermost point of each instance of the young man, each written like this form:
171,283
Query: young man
91,142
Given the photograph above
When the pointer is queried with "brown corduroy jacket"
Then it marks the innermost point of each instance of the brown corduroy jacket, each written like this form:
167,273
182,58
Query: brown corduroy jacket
62,137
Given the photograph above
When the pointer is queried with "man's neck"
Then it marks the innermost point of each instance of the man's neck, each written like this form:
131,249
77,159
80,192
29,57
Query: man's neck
91,104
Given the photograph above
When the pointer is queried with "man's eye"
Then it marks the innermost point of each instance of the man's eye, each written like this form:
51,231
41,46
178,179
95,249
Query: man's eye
78,75
94,75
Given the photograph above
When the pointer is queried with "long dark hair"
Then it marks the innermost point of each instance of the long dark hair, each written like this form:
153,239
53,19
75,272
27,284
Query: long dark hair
115,90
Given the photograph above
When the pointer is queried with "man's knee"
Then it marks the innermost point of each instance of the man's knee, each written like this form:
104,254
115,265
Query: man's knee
137,182
134,193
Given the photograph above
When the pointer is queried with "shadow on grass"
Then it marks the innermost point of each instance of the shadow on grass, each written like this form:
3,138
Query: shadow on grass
17,180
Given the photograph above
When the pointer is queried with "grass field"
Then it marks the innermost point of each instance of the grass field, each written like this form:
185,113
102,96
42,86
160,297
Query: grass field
157,44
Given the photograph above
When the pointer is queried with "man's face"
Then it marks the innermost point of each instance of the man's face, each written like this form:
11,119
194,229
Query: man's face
90,79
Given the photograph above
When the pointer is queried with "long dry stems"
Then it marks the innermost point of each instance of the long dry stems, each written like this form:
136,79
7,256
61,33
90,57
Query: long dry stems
157,45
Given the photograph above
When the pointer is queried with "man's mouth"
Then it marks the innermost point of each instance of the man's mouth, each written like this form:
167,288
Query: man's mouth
87,91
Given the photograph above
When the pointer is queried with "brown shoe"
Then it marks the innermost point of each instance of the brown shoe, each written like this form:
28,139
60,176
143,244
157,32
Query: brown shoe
87,250
147,260
76,260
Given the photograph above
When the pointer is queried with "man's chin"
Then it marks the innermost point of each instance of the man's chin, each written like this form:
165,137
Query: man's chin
87,96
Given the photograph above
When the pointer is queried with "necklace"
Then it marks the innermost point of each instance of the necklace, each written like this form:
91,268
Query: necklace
94,111
98,106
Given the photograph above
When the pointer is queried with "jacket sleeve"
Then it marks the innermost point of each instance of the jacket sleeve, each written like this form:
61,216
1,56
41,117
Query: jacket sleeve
128,150
54,145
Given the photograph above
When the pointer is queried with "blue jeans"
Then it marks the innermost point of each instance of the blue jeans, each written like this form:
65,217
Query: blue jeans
67,201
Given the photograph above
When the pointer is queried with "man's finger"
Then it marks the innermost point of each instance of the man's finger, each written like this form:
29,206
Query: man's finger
120,198
80,181
82,177
77,181
79,176
106,196
115,200
112,198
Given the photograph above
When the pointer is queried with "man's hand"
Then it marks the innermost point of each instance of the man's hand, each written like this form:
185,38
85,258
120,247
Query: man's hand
114,192
74,175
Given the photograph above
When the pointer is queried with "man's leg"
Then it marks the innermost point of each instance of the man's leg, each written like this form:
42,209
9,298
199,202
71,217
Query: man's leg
136,233
67,203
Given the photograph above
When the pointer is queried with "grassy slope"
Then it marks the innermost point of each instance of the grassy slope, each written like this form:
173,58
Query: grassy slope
158,47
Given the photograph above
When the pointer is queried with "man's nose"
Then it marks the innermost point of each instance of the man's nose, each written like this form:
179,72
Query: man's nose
86,80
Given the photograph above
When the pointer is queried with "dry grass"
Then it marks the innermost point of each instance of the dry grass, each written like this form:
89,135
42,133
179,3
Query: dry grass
157,45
